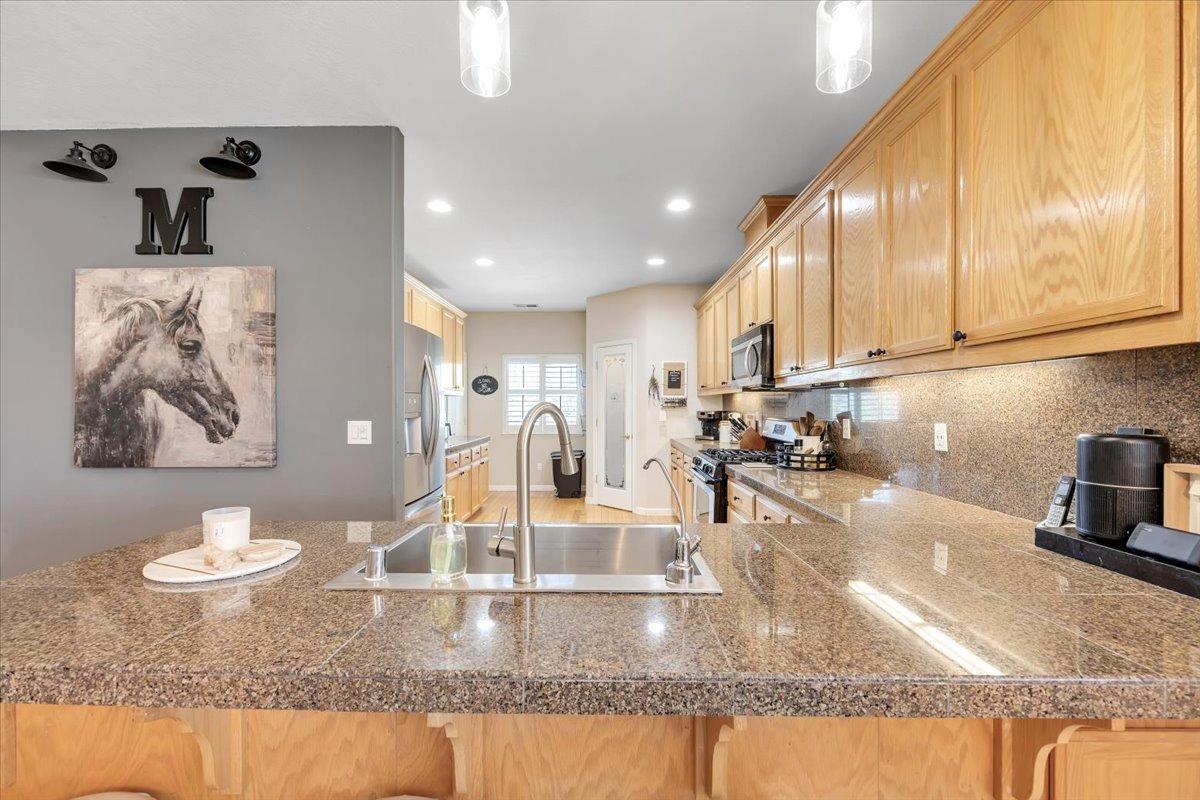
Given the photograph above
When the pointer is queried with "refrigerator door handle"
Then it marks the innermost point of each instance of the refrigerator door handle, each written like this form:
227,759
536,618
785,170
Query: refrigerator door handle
435,433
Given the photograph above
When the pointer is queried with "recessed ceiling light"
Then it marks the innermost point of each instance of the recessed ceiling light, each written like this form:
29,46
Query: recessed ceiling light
484,262
439,206
679,205
656,261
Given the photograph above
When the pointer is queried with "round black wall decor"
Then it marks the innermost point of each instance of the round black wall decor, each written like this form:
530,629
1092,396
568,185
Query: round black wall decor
485,384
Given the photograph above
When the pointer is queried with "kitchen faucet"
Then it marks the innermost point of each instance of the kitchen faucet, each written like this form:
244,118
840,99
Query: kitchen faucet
679,570
519,547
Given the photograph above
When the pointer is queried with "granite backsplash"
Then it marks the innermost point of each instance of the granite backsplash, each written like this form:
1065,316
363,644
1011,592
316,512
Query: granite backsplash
1011,428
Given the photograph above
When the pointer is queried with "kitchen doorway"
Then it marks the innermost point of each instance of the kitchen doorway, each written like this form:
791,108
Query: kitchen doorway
612,484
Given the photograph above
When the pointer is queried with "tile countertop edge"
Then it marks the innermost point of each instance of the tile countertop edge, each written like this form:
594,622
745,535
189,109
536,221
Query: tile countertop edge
827,696
462,442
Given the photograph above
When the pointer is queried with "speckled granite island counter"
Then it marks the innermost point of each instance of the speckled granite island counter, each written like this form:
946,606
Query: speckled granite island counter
900,605
807,624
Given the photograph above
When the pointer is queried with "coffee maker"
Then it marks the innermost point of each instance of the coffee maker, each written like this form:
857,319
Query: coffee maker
710,422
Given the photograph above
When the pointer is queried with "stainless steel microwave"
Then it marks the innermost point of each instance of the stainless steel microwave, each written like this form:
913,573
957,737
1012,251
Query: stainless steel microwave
751,355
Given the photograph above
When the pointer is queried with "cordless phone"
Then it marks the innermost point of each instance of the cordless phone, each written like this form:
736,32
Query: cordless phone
1061,502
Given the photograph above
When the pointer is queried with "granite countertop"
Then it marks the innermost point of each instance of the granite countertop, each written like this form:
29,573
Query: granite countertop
456,443
907,605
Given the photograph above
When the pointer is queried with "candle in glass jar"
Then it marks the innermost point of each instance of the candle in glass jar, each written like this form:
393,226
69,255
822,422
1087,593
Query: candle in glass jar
227,528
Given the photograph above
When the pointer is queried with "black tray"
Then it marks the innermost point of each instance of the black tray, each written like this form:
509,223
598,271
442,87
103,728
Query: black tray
1066,541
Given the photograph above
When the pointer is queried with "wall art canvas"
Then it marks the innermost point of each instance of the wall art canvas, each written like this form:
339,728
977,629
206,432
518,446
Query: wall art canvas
175,367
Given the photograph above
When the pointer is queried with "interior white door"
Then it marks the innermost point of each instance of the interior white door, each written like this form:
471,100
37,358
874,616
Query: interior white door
613,409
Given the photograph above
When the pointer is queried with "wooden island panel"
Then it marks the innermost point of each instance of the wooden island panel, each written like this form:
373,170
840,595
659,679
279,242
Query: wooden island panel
54,751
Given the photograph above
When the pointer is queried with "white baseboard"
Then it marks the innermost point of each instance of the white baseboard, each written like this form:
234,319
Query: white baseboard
512,488
654,512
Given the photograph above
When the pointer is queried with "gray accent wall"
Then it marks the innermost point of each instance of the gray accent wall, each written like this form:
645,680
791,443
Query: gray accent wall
325,211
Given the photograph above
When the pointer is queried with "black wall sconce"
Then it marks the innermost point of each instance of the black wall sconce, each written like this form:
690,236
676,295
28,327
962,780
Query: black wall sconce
73,164
236,159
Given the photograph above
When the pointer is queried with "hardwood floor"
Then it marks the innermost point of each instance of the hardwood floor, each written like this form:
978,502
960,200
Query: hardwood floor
546,507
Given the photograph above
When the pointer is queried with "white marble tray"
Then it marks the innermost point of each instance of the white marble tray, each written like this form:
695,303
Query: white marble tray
187,566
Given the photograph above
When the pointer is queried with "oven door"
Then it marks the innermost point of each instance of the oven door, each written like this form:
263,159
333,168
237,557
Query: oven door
708,499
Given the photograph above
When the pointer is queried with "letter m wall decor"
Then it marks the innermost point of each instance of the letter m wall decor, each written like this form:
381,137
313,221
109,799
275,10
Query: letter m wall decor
170,228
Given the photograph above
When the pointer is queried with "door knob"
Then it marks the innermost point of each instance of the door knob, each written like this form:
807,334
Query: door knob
959,336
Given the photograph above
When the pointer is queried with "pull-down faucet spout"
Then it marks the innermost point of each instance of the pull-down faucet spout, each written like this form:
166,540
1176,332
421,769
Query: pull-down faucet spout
519,547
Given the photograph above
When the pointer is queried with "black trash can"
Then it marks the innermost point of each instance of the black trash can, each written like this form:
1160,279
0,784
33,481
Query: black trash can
567,485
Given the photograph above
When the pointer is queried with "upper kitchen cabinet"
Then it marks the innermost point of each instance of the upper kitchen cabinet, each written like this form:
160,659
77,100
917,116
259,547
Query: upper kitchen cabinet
747,284
814,235
1069,158
787,303
707,355
731,329
425,309
918,170
756,295
859,310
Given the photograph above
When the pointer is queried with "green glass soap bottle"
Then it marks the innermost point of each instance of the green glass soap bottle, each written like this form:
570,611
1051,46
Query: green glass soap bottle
447,545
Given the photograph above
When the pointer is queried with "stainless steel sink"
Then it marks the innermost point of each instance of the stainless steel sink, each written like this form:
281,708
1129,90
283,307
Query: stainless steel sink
570,558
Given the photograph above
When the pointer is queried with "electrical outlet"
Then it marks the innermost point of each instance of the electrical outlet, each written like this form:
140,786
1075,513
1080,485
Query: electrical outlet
358,431
941,557
941,438
846,428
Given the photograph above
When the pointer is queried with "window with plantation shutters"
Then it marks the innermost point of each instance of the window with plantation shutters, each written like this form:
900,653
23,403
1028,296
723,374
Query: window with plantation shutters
531,379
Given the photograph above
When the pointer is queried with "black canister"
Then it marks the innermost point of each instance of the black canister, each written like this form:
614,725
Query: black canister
1119,481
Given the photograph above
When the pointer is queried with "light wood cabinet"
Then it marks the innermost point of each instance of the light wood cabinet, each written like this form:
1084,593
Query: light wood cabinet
741,499
1069,164
764,303
858,261
787,304
442,320
918,163
689,493
769,513
747,284
706,362
815,245
460,353
1031,192
732,329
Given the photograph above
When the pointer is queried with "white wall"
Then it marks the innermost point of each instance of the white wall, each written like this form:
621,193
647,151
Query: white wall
491,336
661,321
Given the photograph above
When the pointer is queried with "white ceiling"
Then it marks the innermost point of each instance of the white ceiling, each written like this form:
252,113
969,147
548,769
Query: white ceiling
615,107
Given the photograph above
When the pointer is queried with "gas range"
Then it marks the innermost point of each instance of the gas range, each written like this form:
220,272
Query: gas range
712,462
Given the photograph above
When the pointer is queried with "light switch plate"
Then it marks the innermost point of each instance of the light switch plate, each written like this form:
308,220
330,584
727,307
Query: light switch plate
941,438
358,431
846,428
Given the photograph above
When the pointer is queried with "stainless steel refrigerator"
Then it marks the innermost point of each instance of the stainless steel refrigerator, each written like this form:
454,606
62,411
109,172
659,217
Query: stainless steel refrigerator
424,436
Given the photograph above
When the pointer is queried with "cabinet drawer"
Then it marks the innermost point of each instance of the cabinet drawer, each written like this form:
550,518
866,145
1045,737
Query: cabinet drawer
465,456
476,453
452,462
741,499
768,512
485,450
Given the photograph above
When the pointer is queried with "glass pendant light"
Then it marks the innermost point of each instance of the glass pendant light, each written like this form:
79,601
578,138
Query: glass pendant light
483,57
843,44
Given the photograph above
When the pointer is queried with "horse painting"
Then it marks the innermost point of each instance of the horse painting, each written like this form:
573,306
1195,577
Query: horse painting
151,387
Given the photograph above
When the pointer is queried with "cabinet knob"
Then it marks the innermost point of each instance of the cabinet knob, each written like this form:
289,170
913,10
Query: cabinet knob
870,354
959,336
881,352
